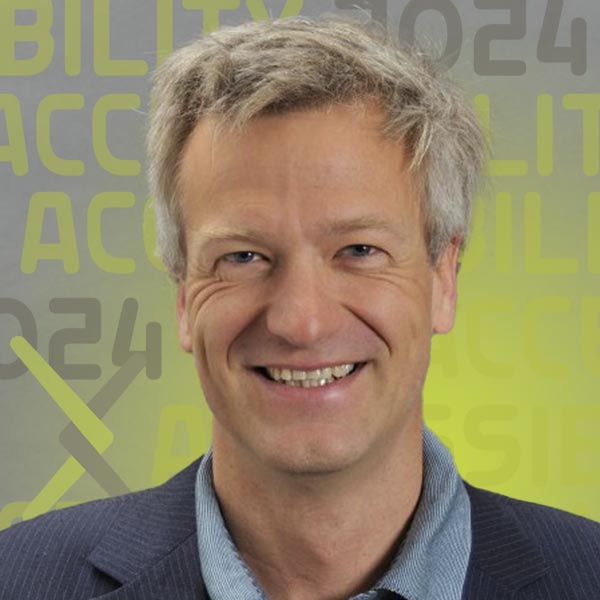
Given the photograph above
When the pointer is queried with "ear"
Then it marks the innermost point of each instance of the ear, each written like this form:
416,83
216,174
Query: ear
443,303
183,325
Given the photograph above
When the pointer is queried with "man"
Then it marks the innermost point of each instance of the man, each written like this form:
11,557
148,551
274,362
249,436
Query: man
313,186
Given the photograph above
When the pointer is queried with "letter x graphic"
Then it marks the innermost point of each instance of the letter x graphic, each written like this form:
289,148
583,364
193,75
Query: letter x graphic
86,437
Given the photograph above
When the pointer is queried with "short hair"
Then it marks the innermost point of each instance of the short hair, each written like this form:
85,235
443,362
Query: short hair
273,67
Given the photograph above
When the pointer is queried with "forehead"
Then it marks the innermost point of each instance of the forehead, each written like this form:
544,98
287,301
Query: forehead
333,159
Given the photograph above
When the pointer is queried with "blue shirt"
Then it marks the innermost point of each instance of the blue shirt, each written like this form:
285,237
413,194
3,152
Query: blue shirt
431,561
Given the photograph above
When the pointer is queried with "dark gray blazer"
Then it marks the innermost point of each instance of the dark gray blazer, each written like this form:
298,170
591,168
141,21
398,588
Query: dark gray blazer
143,546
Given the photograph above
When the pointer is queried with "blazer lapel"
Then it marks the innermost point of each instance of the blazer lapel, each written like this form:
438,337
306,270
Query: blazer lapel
176,577
151,548
504,558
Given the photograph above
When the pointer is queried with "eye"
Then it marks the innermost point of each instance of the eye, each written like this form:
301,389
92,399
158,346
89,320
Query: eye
363,256
242,265
242,258
359,250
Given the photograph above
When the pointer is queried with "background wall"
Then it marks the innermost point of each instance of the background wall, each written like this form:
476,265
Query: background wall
513,390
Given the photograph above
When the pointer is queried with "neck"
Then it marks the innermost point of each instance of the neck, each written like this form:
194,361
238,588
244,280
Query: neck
319,536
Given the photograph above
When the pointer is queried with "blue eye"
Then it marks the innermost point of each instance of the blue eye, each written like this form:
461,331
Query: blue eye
244,265
242,258
359,250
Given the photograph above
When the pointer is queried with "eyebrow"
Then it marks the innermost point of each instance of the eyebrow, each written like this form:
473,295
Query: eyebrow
340,227
361,224
229,233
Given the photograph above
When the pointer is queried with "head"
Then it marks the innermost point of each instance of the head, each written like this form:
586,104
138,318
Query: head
238,74
313,186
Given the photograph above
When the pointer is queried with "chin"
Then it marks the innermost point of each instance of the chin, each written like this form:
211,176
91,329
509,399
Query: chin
316,458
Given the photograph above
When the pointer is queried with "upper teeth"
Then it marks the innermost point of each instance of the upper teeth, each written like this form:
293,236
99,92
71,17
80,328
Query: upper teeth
313,378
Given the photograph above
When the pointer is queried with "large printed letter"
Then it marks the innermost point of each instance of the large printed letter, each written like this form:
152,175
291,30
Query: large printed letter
105,157
54,163
15,151
102,201
589,105
39,33
33,247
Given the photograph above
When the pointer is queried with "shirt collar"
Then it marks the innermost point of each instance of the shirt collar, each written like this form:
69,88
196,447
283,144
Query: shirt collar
431,561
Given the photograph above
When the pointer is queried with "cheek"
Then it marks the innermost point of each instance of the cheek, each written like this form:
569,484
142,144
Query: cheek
397,310
219,318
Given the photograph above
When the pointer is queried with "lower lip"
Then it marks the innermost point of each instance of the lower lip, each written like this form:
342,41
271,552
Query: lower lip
332,392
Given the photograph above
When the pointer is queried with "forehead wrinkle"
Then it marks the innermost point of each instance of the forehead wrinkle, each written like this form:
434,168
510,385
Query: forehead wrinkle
222,233
341,227
223,154
229,232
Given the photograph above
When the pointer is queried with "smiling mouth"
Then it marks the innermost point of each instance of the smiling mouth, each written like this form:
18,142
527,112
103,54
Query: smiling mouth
309,379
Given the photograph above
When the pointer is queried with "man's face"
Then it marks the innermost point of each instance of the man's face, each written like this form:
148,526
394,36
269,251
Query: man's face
305,252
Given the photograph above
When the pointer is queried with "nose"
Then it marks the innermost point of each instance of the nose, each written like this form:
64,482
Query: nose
304,308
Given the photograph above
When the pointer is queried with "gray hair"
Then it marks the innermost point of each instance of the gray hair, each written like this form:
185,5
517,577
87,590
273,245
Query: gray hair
238,73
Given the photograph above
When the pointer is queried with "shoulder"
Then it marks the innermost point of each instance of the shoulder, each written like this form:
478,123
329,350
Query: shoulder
55,546
519,544
544,523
